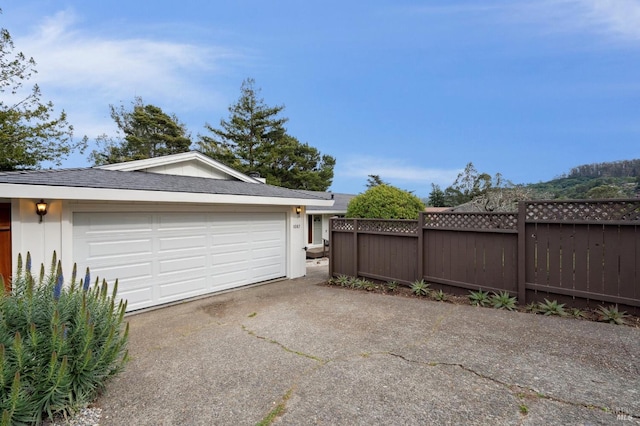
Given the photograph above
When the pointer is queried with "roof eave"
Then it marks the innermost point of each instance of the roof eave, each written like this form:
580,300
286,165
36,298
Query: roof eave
105,194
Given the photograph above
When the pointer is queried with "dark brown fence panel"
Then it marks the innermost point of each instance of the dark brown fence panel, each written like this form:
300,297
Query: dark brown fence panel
471,260
342,253
569,250
584,249
388,257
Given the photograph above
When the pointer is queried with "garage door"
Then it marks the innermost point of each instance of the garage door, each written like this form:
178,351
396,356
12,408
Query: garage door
164,257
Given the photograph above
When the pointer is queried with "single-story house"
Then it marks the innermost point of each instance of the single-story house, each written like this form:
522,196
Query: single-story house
317,223
168,228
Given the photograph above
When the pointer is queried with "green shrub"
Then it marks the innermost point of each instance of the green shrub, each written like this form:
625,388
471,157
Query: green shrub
385,202
503,300
343,280
58,344
611,315
479,298
420,288
552,308
392,285
440,296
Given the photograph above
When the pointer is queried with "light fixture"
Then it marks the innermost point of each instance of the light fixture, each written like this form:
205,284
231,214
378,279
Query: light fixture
41,209
298,210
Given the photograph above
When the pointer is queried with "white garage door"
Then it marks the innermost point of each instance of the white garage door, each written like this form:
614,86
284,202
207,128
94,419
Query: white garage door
164,257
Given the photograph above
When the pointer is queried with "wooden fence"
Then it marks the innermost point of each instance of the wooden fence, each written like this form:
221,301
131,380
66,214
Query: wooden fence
571,251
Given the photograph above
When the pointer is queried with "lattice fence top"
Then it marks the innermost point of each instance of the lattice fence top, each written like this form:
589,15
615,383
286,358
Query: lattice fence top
342,224
471,220
615,210
377,225
394,226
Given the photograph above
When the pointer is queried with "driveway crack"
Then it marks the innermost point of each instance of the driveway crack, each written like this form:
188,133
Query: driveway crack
283,347
517,390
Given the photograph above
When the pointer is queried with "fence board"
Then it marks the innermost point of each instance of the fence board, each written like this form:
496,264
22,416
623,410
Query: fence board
581,258
610,264
629,261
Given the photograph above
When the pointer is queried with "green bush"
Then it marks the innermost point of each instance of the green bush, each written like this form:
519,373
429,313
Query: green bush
58,344
385,202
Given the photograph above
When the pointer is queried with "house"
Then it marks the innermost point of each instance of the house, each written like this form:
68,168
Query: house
317,221
168,228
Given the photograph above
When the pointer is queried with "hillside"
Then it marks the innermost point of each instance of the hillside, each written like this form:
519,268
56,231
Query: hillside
618,179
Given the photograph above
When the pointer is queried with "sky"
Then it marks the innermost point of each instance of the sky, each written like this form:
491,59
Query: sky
411,91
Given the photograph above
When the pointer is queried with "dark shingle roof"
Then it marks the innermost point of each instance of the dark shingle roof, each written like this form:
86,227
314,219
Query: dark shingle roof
141,181
341,201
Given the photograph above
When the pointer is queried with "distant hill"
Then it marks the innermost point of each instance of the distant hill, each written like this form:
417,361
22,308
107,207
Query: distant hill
617,179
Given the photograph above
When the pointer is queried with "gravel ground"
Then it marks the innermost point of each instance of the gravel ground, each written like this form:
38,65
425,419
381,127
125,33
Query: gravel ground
84,417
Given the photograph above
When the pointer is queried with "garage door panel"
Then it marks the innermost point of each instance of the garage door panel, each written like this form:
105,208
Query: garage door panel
106,224
118,248
180,222
183,289
164,257
193,242
183,265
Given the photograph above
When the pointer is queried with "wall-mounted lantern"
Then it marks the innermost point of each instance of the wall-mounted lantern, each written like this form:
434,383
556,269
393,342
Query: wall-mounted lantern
41,209
298,210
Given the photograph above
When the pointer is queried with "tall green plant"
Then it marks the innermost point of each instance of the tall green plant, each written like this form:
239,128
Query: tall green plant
58,344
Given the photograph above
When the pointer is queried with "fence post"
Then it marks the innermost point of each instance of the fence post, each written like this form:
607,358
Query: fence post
522,256
420,247
331,219
355,248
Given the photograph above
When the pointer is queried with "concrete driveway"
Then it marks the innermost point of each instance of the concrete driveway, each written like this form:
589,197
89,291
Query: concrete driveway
325,355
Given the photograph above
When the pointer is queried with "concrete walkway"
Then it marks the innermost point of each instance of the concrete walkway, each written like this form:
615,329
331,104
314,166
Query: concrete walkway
331,356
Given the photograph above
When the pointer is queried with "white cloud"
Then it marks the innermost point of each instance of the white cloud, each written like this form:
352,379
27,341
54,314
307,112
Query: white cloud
395,171
83,72
619,18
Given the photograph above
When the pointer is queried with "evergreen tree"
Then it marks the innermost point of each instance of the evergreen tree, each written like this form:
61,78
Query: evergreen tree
254,139
148,132
436,197
30,132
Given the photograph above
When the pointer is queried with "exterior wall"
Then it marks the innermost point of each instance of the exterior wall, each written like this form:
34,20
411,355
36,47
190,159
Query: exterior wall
56,230
189,168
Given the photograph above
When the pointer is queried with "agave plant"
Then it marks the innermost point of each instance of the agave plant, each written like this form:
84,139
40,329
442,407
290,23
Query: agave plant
392,285
440,295
420,288
611,315
552,308
479,298
503,300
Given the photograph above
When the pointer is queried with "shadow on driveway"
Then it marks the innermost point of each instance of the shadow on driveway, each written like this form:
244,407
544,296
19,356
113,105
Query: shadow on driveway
326,355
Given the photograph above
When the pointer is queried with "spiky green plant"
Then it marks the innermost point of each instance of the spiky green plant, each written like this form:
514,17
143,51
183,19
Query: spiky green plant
552,308
367,285
503,300
611,315
420,288
532,308
577,313
440,296
343,280
479,298
58,344
392,285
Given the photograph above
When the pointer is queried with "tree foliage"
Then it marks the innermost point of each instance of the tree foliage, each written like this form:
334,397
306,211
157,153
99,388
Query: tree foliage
30,131
148,132
254,139
436,196
375,180
468,185
385,202
622,169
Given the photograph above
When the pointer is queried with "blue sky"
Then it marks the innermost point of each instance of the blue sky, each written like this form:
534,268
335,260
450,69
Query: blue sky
411,91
